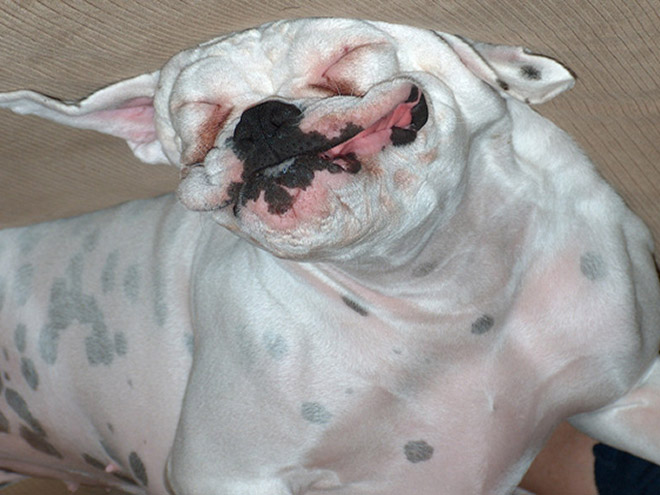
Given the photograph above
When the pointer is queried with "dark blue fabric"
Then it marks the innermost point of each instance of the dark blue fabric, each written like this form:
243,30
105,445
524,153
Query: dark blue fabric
620,473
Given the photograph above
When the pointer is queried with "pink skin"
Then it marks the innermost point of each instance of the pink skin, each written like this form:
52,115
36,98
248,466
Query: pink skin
364,112
112,468
307,204
376,137
138,113
72,486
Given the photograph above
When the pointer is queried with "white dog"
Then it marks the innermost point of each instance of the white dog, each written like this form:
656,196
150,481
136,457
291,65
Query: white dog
422,279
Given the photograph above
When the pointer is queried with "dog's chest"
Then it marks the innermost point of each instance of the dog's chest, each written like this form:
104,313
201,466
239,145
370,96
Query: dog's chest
290,370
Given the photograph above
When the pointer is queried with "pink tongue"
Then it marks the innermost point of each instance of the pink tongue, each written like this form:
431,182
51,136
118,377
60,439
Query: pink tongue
375,138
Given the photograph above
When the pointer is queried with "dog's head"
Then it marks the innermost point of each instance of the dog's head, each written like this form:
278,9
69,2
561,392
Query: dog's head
318,138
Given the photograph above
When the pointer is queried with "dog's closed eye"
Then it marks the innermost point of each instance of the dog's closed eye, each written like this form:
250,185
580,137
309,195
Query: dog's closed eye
354,69
203,121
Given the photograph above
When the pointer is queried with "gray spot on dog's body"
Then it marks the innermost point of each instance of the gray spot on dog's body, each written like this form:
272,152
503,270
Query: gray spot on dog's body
68,304
137,466
503,84
418,451
482,324
4,423
190,343
82,225
354,306
99,346
38,442
29,373
2,292
160,306
19,337
27,240
132,283
59,317
74,272
63,306
424,269
530,72
108,272
247,350
315,413
20,407
121,344
94,462
111,428
23,283
275,345
125,478
91,241
592,266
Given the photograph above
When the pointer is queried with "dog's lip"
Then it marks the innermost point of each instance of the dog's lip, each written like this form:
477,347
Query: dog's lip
409,115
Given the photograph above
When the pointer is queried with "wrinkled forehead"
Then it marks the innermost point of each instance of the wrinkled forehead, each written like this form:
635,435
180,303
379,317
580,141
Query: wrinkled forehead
275,59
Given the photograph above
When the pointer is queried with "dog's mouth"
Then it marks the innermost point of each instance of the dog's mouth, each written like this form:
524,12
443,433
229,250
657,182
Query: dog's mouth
286,158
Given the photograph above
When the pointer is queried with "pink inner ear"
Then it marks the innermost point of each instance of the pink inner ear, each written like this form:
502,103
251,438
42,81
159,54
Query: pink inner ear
133,120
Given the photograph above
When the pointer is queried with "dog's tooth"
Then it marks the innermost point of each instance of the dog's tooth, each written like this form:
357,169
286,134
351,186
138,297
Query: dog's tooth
353,165
278,170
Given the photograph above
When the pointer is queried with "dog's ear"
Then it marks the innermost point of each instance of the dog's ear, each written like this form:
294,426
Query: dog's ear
124,109
513,70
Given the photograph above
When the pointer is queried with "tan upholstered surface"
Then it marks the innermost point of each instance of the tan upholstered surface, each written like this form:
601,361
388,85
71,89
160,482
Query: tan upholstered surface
50,487
69,48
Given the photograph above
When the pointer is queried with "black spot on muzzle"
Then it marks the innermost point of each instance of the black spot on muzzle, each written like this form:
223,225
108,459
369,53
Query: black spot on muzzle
276,153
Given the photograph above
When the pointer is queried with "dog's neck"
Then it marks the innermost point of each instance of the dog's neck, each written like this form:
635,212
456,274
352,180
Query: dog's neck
472,260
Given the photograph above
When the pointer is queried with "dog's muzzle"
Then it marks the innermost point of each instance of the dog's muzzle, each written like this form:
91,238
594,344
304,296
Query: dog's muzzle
276,153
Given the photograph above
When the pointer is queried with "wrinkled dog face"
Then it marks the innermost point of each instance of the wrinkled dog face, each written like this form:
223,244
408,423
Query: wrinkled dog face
324,139
313,139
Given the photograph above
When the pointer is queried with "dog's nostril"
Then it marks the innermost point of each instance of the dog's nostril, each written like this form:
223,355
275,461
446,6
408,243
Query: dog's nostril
284,115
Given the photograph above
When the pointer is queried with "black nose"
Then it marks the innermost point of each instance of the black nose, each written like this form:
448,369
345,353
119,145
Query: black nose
267,133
